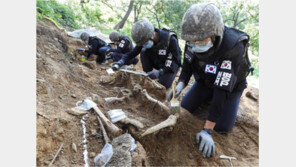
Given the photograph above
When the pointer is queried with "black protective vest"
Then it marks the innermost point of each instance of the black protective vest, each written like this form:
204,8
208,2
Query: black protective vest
130,46
225,51
101,42
160,52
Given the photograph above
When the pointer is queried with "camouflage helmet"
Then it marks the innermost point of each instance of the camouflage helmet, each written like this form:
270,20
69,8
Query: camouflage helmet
142,31
202,21
114,36
84,36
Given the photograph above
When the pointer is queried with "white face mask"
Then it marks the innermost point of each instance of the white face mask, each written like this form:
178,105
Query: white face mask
201,47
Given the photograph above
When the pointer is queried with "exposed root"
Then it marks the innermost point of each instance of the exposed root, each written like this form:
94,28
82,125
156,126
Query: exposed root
110,126
134,122
156,84
112,100
56,155
161,105
169,122
106,138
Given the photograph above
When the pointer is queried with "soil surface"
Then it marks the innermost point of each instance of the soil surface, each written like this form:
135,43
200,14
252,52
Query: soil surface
63,80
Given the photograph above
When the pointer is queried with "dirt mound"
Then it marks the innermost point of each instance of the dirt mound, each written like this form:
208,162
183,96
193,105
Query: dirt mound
62,80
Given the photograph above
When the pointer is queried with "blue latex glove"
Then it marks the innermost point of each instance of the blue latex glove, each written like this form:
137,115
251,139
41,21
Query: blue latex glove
153,74
116,65
178,90
207,145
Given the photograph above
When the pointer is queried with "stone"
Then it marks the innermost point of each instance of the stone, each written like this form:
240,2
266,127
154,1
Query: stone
73,95
60,131
93,132
74,147
92,154
139,156
90,64
76,111
190,156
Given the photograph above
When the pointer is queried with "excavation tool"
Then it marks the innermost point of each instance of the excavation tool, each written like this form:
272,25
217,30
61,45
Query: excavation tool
229,158
134,72
174,103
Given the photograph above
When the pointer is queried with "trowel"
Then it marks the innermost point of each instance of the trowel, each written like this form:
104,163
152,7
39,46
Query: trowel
174,103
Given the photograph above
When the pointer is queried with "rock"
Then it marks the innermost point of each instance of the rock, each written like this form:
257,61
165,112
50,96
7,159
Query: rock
60,131
76,111
43,132
90,64
93,132
92,154
60,97
73,146
73,95
46,162
139,156
190,156
121,146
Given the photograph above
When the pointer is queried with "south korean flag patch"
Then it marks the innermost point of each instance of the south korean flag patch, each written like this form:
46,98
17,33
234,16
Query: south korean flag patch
211,69
226,64
162,52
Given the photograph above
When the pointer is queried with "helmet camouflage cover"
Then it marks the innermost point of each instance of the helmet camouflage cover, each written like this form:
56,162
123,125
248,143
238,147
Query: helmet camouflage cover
202,21
142,31
114,36
84,36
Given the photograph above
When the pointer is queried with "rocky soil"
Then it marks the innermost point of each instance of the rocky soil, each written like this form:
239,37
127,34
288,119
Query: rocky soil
62,80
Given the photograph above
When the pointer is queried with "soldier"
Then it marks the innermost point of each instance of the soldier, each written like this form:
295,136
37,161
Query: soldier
124,45
94,44
159,50
217,57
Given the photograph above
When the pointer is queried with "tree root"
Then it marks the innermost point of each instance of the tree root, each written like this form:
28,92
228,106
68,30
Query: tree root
134,122
106,138
151,99
56,155
110,126
111,100
169,122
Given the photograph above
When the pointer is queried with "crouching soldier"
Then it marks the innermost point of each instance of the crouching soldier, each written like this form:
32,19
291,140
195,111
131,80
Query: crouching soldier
123,46
160,52
94,44
217,57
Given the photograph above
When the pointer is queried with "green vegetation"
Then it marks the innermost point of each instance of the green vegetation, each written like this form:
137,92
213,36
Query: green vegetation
104,15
